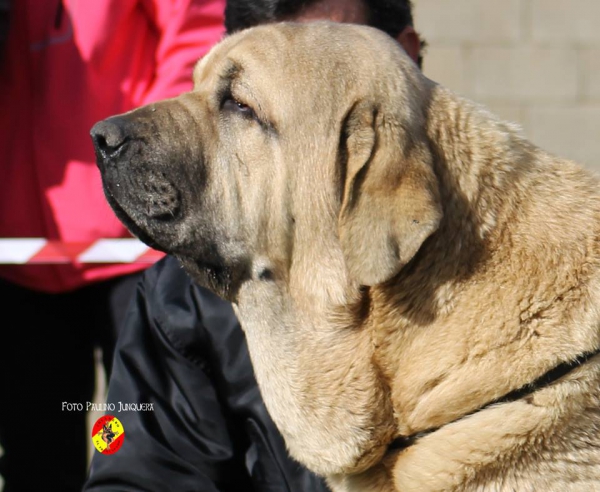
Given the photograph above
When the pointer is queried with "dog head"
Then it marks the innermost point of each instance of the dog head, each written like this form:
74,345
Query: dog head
297,139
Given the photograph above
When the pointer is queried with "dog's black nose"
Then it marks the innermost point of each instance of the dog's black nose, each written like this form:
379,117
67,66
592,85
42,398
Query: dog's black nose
109,137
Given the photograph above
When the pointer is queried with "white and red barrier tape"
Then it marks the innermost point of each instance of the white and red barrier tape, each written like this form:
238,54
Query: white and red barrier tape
30,251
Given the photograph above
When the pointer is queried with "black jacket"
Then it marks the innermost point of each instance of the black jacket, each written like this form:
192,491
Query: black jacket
182,350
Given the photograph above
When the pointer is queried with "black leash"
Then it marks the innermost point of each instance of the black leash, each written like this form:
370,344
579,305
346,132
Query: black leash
547,379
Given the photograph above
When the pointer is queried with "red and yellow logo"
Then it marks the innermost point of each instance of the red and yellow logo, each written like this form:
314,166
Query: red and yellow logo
108,434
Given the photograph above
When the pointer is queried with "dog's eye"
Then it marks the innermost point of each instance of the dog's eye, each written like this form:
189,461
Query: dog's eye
231,104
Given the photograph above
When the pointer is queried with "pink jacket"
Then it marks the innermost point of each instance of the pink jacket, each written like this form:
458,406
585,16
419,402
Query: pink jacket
69,64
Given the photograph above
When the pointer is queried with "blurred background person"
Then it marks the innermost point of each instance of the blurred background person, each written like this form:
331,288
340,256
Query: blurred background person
65,64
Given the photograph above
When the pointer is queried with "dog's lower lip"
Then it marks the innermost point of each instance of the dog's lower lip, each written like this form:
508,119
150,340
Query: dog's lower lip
144,237
131,225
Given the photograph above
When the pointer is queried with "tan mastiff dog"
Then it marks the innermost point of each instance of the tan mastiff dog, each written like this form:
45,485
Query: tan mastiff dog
419,285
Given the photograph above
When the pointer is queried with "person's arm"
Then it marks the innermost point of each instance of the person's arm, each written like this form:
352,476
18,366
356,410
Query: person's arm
186,441
187,29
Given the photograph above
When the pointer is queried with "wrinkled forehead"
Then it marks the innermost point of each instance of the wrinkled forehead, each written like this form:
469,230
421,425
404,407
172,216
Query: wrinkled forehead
243,52
293,50
321,65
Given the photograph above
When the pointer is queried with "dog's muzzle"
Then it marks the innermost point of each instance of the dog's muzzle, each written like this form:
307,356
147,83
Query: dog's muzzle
155,180
131,169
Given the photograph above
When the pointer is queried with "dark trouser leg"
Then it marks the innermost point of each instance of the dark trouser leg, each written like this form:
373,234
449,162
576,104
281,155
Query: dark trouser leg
48,361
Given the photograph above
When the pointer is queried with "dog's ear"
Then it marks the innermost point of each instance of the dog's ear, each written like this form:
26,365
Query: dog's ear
390,200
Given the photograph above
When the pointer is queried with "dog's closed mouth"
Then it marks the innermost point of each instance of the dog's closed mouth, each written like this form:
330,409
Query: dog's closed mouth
136,230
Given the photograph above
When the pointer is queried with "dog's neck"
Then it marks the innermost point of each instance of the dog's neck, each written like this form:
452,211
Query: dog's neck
480,162
316,376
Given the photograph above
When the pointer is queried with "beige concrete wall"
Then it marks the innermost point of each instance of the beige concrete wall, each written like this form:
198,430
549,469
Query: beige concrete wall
534,62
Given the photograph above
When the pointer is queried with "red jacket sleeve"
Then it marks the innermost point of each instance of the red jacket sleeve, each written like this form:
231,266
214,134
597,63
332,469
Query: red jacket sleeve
187,30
